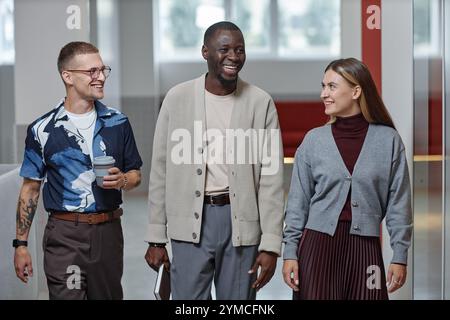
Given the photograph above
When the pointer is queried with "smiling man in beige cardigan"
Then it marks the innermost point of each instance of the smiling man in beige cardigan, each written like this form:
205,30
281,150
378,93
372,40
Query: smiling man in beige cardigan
220,204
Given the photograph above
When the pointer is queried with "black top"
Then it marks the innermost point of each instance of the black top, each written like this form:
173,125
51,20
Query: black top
349,134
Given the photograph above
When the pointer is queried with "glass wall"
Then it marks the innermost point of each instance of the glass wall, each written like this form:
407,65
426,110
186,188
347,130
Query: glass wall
253,17
431,149
310,26
446,265
182,24
272,28
6,32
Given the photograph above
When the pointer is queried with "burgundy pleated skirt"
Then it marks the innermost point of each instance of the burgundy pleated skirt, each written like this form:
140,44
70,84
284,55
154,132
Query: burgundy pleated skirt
340,267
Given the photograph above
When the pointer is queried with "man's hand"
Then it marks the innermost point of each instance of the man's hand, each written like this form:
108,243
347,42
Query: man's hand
268,263
22,263
26,209
396,277
290,274
155,256
115,179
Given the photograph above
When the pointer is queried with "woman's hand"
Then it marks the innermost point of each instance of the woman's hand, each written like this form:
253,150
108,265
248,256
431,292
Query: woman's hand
290,274
396,277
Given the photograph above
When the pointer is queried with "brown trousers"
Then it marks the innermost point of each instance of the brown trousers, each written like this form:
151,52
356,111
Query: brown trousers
83,261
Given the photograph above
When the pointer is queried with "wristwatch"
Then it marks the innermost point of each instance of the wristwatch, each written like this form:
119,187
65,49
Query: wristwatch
17,243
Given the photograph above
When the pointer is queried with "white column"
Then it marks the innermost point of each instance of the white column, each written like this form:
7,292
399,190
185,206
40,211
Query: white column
108,42
139,76
41,29
397,88
136,44
446,285
351,41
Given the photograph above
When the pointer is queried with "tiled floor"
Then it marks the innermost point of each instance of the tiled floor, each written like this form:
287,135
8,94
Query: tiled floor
138,279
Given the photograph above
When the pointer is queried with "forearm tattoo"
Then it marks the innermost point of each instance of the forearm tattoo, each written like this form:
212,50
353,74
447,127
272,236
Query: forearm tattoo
26,208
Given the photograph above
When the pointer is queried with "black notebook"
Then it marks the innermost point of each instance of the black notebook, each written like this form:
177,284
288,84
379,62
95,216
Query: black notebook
162,284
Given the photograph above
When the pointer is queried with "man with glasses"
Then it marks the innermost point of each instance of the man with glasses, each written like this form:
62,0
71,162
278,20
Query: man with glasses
83,240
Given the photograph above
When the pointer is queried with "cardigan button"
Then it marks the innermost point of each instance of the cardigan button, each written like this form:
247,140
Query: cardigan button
348,178
355,227
354,204
199,171
196,215
198,193
194,235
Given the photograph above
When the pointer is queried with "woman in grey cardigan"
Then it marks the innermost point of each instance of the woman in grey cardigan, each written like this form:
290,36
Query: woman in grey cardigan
348,175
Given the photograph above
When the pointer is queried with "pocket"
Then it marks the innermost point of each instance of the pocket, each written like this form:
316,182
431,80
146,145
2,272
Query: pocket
371,215
47,231
120,231
250,213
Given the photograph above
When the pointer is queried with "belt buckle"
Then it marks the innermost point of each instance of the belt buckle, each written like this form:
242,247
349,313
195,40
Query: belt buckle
211,200
90,219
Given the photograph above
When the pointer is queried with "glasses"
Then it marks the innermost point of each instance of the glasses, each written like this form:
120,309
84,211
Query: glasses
95,72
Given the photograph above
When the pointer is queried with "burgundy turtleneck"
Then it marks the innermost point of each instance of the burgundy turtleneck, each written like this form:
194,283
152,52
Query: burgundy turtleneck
349,134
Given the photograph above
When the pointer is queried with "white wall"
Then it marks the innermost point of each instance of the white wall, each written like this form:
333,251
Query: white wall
397,88
282,78
7,114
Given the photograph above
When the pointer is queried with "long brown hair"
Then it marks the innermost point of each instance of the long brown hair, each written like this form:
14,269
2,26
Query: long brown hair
357,74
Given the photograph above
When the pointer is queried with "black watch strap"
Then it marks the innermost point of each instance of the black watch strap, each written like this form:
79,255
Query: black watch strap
157,245
17,243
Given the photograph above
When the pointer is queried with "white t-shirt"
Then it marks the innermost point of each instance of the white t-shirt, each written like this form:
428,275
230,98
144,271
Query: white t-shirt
218,117
85,123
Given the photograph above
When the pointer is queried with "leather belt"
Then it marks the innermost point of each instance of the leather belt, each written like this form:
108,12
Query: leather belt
219,200
89,218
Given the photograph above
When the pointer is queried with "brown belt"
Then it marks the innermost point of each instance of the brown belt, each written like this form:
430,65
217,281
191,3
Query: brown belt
90,218
220,200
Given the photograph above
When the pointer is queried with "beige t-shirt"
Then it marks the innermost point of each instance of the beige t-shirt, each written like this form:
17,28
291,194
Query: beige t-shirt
218,117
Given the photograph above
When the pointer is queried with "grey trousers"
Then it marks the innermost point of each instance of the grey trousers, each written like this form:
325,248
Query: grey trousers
194,266
83,261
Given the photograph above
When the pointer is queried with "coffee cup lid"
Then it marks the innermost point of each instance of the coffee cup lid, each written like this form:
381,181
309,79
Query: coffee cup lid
103,160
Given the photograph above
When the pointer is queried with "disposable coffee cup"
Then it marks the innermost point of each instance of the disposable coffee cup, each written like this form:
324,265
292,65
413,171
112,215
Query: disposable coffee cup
101,166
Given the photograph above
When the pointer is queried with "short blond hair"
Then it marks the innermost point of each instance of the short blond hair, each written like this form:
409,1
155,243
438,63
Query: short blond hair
72,49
